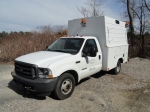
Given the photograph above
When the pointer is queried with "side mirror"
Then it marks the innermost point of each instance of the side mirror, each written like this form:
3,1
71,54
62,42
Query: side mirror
92,52
89,51
86,52
46,47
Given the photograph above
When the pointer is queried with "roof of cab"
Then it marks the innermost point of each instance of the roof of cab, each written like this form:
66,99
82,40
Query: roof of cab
85,37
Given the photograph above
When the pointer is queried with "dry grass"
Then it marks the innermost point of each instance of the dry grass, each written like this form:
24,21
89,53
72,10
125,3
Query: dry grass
15,44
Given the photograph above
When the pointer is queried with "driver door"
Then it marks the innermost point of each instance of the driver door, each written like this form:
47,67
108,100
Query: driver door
91,65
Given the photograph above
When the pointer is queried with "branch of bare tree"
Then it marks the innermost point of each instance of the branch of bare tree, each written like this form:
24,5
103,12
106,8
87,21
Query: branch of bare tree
146,5
94,8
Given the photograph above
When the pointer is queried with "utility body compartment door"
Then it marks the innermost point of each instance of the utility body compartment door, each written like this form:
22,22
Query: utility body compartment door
91,65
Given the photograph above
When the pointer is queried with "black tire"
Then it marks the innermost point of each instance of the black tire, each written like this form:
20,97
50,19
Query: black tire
117,69
65,86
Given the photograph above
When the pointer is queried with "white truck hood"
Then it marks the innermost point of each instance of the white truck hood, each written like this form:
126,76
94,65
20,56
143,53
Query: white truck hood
43,58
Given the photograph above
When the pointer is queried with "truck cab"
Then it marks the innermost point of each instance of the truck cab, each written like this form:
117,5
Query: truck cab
85,51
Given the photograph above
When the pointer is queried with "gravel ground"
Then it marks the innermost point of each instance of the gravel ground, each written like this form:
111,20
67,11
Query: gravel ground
128,91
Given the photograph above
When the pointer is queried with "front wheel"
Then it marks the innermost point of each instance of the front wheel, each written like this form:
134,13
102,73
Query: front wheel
117,69
65,86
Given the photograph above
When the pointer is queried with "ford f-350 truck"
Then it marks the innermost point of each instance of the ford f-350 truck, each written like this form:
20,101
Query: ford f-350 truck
93,44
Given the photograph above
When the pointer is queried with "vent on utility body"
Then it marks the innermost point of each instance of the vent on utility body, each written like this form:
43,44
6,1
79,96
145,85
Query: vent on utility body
117,22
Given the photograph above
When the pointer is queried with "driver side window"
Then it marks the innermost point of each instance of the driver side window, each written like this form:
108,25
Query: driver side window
90,43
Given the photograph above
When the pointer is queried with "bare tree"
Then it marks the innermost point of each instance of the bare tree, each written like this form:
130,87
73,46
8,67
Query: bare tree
140,17
131,21
84,11
141,14
94,8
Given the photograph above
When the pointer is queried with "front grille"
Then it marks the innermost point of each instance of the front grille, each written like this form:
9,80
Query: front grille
25,69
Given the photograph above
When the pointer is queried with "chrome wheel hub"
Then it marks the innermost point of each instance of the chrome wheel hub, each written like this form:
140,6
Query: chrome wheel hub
66,86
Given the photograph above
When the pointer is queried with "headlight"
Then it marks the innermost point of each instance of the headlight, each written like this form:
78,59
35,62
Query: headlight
45,73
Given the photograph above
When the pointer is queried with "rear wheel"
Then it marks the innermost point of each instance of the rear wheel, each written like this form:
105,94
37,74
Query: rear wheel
117,69
65,86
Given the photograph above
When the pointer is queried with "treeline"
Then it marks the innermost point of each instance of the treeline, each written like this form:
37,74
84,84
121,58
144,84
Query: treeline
5,34
135,51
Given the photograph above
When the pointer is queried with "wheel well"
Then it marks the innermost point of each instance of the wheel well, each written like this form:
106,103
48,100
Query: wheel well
74,74
121,60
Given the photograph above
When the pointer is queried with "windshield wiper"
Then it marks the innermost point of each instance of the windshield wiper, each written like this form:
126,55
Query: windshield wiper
60,51
56,50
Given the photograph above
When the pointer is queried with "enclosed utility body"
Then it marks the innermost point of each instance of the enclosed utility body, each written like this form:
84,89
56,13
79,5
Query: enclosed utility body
111,35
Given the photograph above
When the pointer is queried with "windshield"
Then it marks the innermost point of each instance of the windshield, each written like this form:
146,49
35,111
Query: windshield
66,45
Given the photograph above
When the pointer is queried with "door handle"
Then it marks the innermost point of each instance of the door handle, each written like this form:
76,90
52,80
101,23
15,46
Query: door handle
99,57
77,62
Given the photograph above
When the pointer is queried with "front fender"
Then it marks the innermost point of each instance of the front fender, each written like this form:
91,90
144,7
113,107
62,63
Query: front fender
58,70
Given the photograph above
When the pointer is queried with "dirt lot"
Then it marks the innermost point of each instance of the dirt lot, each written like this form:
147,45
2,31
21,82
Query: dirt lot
103,92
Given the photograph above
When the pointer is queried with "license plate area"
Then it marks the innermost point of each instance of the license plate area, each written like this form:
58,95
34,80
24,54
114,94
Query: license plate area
20,85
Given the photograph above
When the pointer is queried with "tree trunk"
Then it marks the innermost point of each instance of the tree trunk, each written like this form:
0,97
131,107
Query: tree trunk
142,44
131,21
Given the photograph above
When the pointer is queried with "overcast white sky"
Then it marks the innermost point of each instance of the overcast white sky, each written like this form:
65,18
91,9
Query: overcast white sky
26,15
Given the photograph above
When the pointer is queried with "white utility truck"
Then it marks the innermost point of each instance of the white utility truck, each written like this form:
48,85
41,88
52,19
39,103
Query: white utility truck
93,44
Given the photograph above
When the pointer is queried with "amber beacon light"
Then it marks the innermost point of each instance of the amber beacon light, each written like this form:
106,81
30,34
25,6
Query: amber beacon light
83,22
127,24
